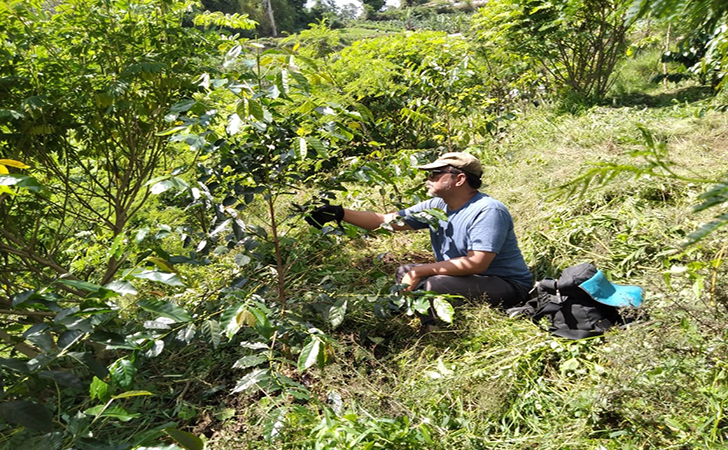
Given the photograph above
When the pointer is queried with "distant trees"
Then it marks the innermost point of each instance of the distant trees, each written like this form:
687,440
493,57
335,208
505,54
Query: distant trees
372,6
273,17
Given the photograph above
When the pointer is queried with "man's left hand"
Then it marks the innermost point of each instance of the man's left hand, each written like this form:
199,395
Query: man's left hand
411,279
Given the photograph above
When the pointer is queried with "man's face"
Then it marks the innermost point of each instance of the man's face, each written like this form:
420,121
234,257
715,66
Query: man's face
440,181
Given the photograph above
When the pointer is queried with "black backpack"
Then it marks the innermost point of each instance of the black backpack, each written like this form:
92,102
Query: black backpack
572,312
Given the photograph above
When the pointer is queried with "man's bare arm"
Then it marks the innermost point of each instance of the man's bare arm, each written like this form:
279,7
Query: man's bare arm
476,262
371,220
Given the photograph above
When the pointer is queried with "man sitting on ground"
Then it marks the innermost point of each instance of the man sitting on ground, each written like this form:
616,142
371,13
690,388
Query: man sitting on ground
476,250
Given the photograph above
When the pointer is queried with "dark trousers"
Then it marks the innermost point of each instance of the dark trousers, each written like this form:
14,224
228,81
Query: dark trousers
495,290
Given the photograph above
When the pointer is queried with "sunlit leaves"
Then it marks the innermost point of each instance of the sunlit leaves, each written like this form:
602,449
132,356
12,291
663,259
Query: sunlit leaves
234,318
311,354
577,44
129,394
99,389
210,331
171,279
165,309
113,412
251,380
443,309
21,181
250,361
219,19
163,184
337,311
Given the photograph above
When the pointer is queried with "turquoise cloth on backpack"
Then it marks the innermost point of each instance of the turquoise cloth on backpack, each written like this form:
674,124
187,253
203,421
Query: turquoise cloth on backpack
604,291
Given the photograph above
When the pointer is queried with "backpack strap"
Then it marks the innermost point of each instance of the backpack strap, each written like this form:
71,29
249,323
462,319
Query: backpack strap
548,299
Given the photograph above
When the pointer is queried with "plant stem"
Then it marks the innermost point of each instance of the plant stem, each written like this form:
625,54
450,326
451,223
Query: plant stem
279,259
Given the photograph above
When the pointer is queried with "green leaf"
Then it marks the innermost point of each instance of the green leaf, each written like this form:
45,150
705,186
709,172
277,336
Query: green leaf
319,146
122,287
165,185
66,379
422,305
162,264
141,234
234,124
24,297
171,279
187,440
250,361
131,394
231,319
156,348
22,181
117,247
165,309
183,106
27,414
115,412
82,285
255,109
68,338
172,130
91,362
250,380
301,148
262,324
310,353
211,332
242,259
99,390
443,309
123,373
569,365
337,312
14,364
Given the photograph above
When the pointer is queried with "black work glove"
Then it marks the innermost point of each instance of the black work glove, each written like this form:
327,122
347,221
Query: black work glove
325,213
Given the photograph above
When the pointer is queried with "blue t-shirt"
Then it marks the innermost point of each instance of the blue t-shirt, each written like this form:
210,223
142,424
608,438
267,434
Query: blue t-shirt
483,224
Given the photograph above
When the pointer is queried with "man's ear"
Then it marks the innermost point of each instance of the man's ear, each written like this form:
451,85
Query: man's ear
461,179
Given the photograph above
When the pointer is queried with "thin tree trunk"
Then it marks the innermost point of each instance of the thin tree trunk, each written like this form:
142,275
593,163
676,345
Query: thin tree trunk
667,48
269,9
281,270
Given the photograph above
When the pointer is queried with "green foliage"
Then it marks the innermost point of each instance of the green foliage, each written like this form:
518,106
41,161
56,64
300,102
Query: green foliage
421,18
577,42
423,87
704,49
262,134
317,41
86,89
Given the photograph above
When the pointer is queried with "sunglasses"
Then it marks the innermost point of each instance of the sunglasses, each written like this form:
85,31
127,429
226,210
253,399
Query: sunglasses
434,174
